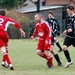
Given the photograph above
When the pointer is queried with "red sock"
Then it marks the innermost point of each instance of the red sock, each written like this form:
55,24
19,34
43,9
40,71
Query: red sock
50,61
44,55
3,59
49,58
6,49
5,56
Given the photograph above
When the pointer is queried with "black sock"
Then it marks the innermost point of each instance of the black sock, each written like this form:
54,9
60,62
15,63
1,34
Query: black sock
67,55
57,58
58,45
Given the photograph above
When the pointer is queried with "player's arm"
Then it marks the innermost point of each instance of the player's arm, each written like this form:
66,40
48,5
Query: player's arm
65,31
73,29
57,27
17,25
22,32
68,26
34,34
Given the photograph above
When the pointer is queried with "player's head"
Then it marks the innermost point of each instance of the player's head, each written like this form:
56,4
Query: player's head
2,12
50,14
38,17
70,10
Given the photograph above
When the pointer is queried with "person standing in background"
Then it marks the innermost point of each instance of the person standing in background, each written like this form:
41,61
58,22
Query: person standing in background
55,28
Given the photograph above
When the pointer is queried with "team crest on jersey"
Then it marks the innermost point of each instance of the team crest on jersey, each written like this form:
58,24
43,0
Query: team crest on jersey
40,32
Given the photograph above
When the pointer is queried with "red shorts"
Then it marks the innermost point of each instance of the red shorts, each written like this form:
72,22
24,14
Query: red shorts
3,38
42,46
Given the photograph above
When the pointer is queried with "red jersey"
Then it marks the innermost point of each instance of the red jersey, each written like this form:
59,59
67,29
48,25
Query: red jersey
43,30
6,21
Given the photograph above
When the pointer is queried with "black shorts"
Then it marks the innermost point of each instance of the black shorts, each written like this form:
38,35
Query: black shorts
69,41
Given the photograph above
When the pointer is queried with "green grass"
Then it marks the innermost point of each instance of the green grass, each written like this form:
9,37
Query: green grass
26,61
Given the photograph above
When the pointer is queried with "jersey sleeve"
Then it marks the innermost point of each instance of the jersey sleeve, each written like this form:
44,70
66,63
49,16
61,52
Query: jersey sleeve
57,26
73,29
35,31
16,24
66,22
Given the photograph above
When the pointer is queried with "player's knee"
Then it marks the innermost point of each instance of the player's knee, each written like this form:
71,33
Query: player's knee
64,48
3,49
39,52
47,53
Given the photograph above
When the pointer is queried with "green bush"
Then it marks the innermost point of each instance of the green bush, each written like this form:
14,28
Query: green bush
26,24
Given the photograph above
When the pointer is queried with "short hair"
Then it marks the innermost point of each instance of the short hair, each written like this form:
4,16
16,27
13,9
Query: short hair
2,12
39,14
70,7
50,12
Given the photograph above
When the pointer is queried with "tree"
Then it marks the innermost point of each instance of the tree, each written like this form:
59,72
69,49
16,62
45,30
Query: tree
8,4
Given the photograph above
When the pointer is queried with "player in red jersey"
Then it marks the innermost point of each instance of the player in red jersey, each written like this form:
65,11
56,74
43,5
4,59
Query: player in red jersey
4,23
44,32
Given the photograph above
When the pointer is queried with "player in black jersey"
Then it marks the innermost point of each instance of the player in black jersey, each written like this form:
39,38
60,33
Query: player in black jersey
69,33
56,56
55,28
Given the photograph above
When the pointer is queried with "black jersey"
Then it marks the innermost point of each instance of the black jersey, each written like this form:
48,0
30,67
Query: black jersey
54,25
70,23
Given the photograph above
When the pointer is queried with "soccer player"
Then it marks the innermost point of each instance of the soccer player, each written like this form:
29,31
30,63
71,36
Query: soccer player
51,20
69,33
4,23
55,28
3,41
44,32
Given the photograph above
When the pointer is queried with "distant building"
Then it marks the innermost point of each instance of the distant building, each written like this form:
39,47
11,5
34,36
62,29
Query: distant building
56,6
59,2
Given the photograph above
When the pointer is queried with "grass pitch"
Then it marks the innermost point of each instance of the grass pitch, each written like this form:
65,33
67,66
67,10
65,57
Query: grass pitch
26,62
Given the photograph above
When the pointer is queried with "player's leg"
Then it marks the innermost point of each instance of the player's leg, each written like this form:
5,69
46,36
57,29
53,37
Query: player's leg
58,44
56,56
6,47
67,43
47,53
6,57
3,60
41,54
49,59
46,56
3,41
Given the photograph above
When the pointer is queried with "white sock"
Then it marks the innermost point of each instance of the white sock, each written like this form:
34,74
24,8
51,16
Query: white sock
3,62
11,65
